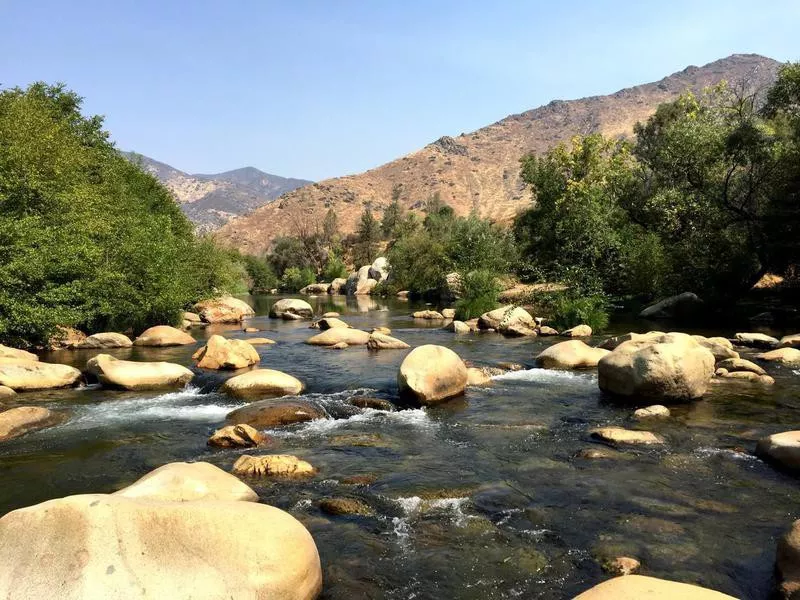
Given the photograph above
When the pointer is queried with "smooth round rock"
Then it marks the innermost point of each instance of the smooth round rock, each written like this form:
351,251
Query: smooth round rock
18,421
431,374
262,382
573,354
221,353
331,337
639,587
133,375
288,308
163,335
266,414
104,341
226,309
782,448
24,375
273,465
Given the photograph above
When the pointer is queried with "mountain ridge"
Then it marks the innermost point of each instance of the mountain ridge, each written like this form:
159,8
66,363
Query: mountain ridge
479,171
211,199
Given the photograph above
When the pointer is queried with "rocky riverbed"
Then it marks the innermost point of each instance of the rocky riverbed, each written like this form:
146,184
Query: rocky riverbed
507,491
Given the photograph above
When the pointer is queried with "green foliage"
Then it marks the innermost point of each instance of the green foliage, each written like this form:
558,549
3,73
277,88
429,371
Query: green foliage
334,268
88,239
368,235
419,262
288,252
392,215
261,274
479,295
294,279
567,310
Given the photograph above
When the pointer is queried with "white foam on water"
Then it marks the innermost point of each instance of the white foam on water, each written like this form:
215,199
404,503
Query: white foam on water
547,376
414,418
181,405
707,452
796,371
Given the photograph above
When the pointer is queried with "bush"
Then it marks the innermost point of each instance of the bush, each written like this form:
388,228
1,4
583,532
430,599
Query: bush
334,268
262,276
479,295
568,310
295,279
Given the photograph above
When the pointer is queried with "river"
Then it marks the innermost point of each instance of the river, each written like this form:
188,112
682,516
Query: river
481,497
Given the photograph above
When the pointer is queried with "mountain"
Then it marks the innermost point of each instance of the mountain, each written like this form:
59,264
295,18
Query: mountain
480,170
211,200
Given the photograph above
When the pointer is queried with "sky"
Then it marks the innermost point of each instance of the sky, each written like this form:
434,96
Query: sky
318,89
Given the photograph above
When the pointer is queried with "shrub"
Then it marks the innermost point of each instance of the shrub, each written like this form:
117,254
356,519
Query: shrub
479,295
262,276
567,310
294,279
334,268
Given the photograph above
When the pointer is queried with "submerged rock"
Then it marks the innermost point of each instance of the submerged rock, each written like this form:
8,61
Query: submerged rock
18,421
262,382
105,340
226,309
432,374
237,436
782,448
326,323
740,364
331,337
639,587
345,506
620,435
786,356
756,340
430,315
132,375
621,565
476,376
187,482
259,341
291,308
113,546
220,353
573,354
656,411
273,465
577,331
163,335
266,414
24,375
673,368
373,403
675,307
380,341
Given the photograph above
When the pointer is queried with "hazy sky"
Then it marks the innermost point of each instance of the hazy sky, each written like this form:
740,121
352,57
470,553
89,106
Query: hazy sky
326,88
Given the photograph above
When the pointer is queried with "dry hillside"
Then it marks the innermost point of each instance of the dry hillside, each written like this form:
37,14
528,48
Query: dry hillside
480,170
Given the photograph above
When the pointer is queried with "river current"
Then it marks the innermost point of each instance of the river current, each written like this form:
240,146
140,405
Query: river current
481,497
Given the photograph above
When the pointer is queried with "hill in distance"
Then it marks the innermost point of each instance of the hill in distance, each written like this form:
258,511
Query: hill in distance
480,170
212,200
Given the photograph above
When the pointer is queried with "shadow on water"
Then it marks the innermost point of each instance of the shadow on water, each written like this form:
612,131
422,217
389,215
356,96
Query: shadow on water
483,497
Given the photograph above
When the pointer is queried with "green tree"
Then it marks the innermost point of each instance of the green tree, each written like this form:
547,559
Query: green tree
367,240
294,279
334,268
393,214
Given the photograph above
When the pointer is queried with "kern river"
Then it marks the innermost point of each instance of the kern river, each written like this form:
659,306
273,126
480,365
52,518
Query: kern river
480,497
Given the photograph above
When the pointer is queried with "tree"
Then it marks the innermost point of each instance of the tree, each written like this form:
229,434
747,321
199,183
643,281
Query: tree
367,239
393,214
88,239
330,228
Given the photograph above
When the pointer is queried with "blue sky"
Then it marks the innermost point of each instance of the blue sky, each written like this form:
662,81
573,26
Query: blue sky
317,89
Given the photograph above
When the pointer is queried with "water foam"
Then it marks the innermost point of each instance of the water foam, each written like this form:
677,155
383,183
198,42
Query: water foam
707,452
181,405
413,418
547,376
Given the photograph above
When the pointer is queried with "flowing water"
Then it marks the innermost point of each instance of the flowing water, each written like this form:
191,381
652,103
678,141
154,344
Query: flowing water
481,497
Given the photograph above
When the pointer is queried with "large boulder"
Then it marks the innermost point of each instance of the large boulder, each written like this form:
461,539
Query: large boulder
267,414
431,374
262,382
224,310
18,421
670,368
359,282
788,563
756,340
291,308
114,547
187,482
458,327
133,375
379,270
453,286
781,448
681,306
721,348
492,319
337,286
105,341
517,322
787,356
7,352
27,375
380,341
613,342
331,337
65,337
316,288
163,335
326,323
220,353
573,354
639,587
